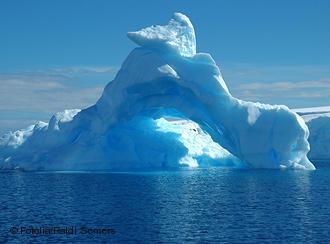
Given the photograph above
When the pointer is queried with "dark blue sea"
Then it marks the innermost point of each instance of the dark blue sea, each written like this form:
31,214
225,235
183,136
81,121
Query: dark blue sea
197,206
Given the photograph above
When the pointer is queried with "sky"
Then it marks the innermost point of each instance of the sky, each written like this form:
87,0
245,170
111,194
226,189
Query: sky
57,55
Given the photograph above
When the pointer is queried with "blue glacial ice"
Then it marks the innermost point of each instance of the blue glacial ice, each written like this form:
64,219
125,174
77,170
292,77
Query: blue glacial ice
168,107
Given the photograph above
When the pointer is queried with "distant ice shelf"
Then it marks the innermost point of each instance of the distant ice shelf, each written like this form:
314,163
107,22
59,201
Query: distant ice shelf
168,107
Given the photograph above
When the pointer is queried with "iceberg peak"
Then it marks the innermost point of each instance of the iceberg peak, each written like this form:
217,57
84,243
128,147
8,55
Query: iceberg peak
177,36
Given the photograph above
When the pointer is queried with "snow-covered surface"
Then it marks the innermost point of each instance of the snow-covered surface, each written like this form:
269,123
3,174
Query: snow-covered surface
168,106
318,122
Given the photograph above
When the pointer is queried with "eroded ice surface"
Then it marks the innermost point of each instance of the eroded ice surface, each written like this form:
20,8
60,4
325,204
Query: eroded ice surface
177,36
168,106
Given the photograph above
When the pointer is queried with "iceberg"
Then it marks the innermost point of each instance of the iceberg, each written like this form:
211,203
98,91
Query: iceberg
167,107
318,122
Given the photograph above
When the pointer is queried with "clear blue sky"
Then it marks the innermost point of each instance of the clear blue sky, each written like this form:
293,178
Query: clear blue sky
59,54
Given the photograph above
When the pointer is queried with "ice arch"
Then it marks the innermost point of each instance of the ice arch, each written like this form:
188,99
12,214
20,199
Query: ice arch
260,135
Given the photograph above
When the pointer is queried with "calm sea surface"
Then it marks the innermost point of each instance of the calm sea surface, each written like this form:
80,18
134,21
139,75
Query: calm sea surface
241,206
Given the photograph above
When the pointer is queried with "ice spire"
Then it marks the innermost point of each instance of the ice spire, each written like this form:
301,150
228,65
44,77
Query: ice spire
177,36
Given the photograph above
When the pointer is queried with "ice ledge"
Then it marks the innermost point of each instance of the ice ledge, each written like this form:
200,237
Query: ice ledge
177,36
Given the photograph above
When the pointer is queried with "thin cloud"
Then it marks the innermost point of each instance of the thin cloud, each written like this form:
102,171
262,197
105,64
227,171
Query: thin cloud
45,92
286,86
42,92
84,70
292,85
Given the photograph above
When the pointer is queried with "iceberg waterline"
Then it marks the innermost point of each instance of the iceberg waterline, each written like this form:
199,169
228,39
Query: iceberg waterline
168,106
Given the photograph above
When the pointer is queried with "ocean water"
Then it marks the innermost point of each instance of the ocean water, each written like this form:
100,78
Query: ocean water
220,205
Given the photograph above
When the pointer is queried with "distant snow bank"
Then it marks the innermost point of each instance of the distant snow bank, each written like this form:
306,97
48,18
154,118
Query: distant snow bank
318,122
322,109
313,112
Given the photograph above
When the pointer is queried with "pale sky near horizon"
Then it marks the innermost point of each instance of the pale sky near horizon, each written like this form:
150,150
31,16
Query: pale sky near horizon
60,54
